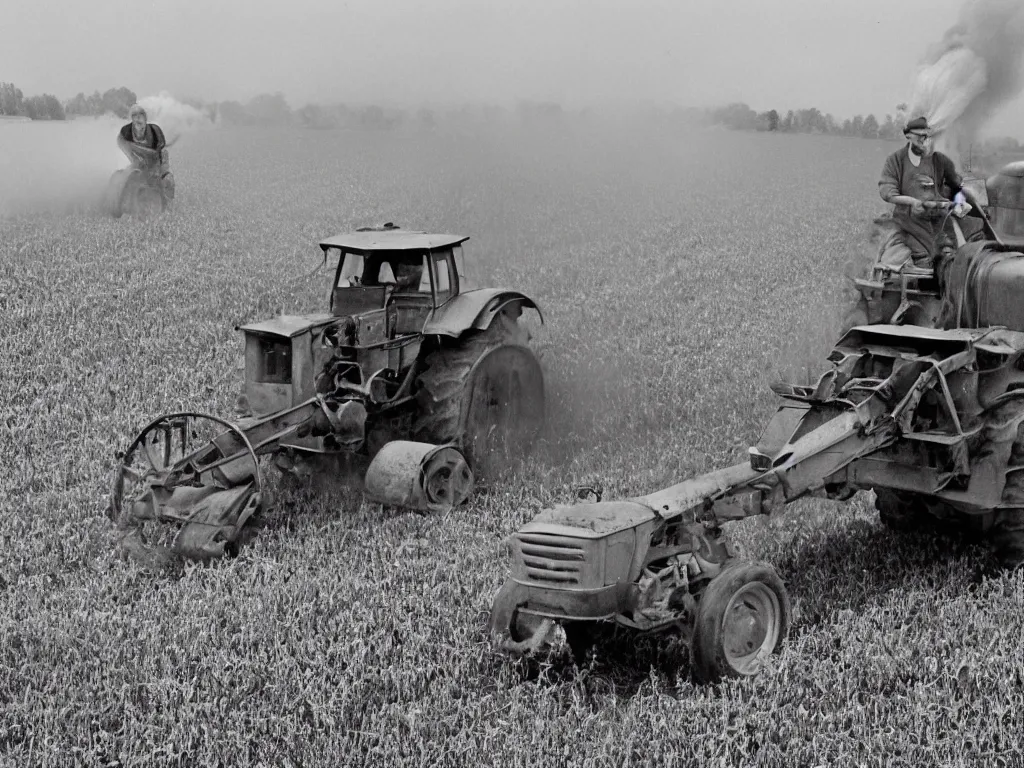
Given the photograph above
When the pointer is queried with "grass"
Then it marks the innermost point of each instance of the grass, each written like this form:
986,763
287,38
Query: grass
678,276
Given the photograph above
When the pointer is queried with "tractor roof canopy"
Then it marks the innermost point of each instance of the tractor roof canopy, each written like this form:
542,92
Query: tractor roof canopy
390,239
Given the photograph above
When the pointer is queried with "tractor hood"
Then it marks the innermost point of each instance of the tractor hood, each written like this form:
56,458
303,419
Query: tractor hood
288,326
591,520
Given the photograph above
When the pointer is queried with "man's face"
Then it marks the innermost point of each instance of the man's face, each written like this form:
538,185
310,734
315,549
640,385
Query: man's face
139,121
921,142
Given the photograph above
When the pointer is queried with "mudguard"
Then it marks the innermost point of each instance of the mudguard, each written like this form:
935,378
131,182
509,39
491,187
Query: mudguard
474,310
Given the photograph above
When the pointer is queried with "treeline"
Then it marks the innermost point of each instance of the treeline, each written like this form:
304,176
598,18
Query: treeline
13,103
739,116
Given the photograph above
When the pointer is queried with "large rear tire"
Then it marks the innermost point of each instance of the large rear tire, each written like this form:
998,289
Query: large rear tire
484,394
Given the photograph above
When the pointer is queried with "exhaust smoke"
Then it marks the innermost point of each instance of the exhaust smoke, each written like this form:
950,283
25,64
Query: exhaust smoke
972,72
53,166
174,117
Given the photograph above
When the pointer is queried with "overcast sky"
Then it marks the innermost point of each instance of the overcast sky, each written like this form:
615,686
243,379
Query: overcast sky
842,56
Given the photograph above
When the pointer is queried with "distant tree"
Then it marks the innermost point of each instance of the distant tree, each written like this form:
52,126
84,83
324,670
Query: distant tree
232,113
319,116
425,117
12,101
869,129
269,109
787,122
45,107
77,105
34,108
773,120
96,105
311,116
373,117
888,129
829,124
737,115
95,102
810,120
857,126
117,101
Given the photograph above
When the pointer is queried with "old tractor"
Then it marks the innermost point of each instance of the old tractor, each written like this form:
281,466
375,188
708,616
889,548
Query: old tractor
141,188
415,384
909,294
931,419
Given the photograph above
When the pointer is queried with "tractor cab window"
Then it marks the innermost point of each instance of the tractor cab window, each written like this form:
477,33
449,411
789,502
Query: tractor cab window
446,279
408,273
460,263
351,270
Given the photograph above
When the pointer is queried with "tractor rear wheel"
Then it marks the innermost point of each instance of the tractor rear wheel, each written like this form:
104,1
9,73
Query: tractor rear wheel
484,394
140,198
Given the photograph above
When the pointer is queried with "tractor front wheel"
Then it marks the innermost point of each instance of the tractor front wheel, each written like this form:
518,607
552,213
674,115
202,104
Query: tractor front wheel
508,628
742,618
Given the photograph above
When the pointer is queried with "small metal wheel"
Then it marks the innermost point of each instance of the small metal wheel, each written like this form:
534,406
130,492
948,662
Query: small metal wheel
742,618
511,631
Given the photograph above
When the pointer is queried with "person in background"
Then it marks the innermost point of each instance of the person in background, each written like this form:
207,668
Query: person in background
145,145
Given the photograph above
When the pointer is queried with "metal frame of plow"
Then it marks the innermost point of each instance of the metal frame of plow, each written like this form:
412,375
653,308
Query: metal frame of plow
210,492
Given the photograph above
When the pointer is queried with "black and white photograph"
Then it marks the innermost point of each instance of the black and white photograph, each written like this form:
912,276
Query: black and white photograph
550,383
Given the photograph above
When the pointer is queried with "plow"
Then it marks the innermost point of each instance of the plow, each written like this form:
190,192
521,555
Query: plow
415,386
923,406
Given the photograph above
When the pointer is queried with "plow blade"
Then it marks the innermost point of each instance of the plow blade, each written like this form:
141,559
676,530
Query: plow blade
212,522
215,524
188,486
421,476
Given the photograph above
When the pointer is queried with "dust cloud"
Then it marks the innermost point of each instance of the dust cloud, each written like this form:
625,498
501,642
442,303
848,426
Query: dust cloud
174,117
64,166
973,71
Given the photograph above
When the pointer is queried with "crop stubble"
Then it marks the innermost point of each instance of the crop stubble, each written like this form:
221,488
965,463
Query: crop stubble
678,275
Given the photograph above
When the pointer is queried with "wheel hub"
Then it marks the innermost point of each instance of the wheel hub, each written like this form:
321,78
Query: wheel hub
751,627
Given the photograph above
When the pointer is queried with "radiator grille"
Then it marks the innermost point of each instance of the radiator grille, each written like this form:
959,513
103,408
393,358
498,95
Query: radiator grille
550,558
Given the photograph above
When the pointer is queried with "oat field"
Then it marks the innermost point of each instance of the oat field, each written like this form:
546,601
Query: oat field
679,273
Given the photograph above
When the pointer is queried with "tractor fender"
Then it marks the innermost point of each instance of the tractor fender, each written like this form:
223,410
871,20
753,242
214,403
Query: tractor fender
474,310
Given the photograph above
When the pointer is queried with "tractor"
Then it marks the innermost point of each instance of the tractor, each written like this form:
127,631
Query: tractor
415,382
928,416
140,188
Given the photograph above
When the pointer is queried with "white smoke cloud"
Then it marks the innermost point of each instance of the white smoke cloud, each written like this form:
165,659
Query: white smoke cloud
62,166
972,72
56,165
173,116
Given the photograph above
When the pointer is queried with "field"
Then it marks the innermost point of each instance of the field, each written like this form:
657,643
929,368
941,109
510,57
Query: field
678,273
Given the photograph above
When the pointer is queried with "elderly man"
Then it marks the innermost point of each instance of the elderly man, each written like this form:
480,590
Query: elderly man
145,145
913,176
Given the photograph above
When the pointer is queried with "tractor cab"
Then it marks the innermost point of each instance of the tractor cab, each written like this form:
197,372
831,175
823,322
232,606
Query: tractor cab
409,272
